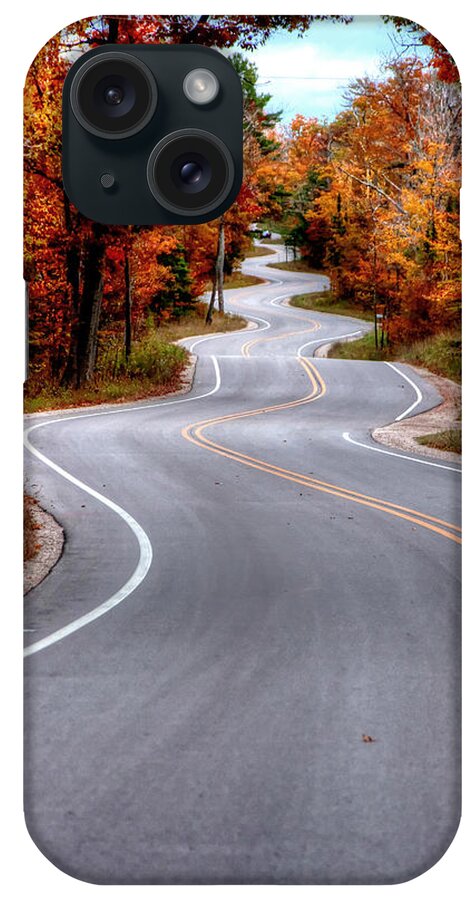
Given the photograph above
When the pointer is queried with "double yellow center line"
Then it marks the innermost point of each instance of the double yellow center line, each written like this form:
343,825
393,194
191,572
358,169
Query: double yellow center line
247,347
195,434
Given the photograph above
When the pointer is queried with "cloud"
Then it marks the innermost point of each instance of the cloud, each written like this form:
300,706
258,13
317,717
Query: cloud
309,74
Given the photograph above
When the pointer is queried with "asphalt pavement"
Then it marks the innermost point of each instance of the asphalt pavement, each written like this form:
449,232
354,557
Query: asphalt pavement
245,666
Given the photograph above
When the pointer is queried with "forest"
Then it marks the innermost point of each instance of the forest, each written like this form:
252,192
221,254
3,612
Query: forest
371,198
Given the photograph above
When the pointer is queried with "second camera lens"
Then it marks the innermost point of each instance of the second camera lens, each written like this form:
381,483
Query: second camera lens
190,172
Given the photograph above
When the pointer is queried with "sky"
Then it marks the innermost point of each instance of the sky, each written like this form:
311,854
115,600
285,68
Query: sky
308,75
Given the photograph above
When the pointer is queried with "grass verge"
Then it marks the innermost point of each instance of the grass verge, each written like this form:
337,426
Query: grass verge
195,324
257,251
323,301
155,367
449,440
238,280
440,353
297,265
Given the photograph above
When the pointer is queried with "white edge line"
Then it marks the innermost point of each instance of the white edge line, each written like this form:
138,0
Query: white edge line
211,337
126,409
275,301
424,462
328,340
251,318
145,547
415,388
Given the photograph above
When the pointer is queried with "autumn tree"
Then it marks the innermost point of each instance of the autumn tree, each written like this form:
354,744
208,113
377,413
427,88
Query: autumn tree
388,216
373,197
66,256
412,35
232,237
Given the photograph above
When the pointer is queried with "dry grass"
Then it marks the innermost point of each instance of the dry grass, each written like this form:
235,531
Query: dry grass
449,440
323,301
296,265
121,390
258,251
195,324
30,529
238,280
440,353
156,367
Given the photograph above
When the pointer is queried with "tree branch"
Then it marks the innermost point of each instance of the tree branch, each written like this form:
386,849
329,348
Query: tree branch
376,188
34,170
189,37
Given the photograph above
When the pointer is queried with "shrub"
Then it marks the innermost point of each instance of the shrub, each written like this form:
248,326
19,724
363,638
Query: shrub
155,359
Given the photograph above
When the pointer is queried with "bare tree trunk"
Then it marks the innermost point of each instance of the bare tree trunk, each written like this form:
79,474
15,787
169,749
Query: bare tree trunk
374,290
218,274
90,307
27,329
211,305
113,32
127,309
73,262
73,259
220,265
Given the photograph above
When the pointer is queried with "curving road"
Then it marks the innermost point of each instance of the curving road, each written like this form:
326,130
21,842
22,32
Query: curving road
247,588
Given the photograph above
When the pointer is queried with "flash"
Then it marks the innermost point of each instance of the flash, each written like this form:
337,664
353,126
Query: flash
201,86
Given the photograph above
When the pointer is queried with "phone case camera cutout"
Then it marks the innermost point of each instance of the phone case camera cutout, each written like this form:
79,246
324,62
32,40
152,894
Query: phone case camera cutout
152,134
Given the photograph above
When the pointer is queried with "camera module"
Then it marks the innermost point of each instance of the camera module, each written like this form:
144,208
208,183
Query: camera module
152,134
113,95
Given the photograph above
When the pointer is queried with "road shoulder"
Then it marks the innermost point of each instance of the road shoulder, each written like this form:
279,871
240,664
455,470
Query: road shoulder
49,535
186,384
49,540
403,435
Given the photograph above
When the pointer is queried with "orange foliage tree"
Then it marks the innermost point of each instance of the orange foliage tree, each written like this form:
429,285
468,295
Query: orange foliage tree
378,197
86,287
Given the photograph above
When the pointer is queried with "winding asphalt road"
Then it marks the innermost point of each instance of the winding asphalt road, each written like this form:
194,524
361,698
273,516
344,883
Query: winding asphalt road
243,595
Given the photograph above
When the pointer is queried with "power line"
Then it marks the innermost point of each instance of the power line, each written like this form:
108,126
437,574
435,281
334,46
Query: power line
308,77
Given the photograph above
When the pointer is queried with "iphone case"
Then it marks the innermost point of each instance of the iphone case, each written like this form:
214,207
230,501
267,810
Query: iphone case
243,582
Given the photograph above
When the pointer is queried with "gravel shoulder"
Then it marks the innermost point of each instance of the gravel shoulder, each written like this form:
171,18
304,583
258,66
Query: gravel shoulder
48,532
403,435
49,537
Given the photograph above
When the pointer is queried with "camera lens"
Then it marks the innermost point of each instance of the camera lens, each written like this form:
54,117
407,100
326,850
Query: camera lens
113,95
190,172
